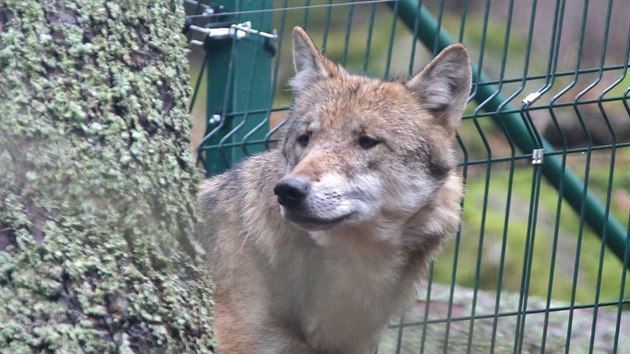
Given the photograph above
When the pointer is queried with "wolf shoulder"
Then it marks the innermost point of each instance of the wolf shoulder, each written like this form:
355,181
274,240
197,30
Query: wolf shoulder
220,193
227,198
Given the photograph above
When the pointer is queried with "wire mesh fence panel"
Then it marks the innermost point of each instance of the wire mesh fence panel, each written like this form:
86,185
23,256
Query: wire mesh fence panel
541,260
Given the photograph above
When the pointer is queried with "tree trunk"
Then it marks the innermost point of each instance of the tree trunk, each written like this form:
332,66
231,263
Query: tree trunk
97,184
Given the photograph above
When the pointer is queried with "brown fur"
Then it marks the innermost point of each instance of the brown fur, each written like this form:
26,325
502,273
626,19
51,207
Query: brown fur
366,181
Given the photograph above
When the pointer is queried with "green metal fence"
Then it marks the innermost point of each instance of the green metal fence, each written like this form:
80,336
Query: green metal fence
541,261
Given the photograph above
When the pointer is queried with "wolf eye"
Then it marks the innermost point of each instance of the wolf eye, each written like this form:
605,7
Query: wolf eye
303,139
367,142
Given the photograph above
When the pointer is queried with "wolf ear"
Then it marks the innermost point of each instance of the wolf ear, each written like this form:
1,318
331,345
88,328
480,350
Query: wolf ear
309,64
442,87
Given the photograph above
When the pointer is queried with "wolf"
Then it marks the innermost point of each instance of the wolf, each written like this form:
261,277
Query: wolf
315,245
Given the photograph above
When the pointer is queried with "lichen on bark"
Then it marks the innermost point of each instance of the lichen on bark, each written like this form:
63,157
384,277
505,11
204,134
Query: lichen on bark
97,184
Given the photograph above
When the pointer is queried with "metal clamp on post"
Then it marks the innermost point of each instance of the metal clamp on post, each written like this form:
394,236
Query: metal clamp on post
247,27
234,31
531,98
537,156
217,33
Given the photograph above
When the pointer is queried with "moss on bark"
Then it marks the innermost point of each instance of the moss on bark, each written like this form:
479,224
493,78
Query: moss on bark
97,184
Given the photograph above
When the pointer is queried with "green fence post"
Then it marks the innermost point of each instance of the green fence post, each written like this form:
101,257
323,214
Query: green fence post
239,85
432,36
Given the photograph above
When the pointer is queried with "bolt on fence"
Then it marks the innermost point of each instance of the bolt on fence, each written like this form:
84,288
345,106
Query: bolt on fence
541,260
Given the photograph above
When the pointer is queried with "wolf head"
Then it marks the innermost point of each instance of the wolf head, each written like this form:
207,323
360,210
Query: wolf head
357,148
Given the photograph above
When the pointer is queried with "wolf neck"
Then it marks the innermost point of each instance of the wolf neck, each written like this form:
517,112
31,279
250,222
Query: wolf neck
362,261
369,242
350,282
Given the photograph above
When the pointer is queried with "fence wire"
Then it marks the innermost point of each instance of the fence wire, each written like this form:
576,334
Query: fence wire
541,261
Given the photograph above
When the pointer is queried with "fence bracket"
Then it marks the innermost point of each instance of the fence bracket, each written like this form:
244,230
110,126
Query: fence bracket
234,31
531,98
538,156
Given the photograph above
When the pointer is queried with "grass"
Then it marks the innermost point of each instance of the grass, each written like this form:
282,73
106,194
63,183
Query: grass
547,243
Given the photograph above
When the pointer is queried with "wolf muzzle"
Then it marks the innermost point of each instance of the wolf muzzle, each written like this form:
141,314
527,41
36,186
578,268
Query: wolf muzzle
291,191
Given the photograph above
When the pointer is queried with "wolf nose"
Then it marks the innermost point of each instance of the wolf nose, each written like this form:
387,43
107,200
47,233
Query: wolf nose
292,190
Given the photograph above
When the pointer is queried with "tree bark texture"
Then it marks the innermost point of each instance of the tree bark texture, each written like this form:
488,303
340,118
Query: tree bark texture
97,183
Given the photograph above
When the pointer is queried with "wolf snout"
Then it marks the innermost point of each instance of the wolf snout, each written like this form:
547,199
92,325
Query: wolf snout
291,191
